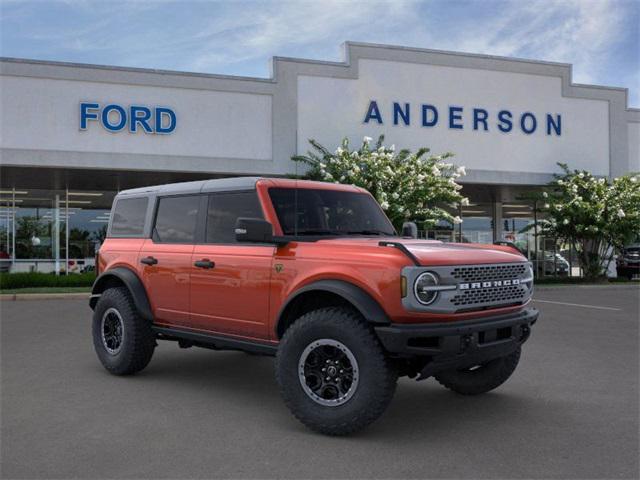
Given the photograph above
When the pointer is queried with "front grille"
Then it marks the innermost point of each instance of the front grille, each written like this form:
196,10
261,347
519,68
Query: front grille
493,295
467,288
479,273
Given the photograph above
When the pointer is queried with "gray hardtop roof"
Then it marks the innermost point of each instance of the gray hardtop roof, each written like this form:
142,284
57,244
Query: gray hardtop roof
200,186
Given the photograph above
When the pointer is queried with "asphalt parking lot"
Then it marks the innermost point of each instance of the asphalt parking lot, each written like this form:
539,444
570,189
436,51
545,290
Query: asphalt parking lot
569,411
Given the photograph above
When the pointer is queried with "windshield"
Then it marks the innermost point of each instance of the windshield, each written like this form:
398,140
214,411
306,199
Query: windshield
328,212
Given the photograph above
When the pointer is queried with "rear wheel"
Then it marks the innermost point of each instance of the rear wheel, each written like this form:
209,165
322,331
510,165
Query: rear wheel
333,373
480,378
122,339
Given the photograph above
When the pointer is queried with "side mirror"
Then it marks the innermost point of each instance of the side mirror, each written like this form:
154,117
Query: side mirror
409,229
504,243
255,230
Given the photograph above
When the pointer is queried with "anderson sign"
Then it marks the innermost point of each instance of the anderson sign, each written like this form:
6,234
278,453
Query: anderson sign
460,118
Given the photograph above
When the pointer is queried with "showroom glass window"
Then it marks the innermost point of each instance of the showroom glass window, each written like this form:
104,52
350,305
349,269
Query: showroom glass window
517,218
51,230
477,223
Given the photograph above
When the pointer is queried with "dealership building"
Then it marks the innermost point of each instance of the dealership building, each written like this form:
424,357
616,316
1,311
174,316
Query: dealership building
73,135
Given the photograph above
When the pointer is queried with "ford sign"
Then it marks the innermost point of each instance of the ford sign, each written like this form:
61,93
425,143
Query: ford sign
134,118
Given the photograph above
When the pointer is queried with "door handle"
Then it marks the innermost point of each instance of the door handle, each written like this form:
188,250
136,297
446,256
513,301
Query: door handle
149,260
204,263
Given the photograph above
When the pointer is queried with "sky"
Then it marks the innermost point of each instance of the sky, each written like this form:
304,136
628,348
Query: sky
601,38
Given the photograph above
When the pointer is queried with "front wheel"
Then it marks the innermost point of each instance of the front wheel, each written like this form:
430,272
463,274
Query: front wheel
123,341
333,373
480,378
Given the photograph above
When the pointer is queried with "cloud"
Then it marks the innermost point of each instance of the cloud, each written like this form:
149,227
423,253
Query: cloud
599,37
573,31
581,32
270,28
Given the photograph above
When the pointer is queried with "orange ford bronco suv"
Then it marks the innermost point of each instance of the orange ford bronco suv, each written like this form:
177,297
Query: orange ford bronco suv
314,274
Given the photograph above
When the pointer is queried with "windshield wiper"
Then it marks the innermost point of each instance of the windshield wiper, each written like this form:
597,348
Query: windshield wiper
319,231
326,231
369,232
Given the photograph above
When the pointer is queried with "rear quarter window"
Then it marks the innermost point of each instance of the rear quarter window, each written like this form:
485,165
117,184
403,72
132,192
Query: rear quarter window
176,219
128,217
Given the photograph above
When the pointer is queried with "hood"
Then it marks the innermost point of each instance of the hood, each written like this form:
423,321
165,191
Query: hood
437,253
434,252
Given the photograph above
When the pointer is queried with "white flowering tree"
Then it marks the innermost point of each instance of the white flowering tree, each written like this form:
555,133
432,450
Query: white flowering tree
596,216
409,186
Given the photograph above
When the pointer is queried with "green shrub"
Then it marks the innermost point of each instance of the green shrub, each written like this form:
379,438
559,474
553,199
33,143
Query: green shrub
34,279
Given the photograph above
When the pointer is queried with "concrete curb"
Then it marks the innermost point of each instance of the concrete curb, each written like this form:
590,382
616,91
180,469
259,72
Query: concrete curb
44,296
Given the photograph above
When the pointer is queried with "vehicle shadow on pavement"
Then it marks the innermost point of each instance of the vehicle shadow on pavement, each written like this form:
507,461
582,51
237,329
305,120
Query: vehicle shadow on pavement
421,408
426,408
217,374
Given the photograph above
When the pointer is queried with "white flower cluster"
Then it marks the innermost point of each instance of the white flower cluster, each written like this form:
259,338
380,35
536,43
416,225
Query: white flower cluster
593,214
408,186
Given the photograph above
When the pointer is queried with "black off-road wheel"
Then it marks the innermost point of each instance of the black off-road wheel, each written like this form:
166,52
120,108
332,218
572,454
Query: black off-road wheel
480,378
332,372
122,339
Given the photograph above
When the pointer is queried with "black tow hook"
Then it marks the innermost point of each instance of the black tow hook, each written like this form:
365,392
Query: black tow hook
465,342
526,331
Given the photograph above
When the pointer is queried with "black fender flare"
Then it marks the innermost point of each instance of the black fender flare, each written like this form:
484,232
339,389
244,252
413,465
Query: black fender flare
133,284
368,307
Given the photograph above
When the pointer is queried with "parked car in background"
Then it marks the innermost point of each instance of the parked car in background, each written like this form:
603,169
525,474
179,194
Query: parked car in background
87,269
550,264
5,261
556,264
628,262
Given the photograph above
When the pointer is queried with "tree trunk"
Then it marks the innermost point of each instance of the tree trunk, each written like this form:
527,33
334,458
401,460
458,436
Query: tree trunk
590,259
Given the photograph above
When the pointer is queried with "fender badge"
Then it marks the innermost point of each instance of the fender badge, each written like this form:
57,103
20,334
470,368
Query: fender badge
279,267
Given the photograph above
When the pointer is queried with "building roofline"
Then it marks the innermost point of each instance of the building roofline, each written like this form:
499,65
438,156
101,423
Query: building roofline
346,62
132,69
452,52
480,56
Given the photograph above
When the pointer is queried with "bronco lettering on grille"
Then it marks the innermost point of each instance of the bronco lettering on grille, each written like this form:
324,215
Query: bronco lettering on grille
494,283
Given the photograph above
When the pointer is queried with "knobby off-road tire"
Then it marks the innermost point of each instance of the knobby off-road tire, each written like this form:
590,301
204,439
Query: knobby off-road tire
481,379
115,312
341,336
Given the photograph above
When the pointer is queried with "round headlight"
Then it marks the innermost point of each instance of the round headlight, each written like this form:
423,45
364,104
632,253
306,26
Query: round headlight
423,288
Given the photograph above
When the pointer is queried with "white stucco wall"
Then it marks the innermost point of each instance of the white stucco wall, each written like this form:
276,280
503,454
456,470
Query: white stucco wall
329,108
43,114
251,126
633,129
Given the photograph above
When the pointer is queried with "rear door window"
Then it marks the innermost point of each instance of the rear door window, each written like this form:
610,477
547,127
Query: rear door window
223,212
176,219
128,217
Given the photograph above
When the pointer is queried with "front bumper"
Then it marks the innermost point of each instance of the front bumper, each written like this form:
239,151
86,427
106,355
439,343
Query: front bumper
447,346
